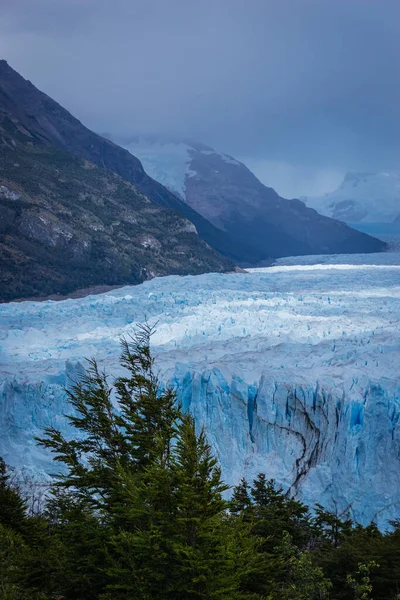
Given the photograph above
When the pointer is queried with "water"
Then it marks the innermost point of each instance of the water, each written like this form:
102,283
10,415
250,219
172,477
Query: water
387,232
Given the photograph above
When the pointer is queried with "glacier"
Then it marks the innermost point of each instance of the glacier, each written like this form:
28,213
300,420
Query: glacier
166,161
170,161
294,370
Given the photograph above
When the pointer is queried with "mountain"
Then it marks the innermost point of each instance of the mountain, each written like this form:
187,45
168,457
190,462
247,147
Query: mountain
52,125
67,223
362,197
231,210
226,193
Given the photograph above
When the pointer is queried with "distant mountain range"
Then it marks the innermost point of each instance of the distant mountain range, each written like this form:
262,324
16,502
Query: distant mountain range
226,193
78,210
362,198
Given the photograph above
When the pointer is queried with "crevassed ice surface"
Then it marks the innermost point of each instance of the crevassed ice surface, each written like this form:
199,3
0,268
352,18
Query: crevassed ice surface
293,370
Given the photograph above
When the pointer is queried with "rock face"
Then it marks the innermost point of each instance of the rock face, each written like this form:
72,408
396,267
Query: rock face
45,121
362,198
226,193
67,223
293,370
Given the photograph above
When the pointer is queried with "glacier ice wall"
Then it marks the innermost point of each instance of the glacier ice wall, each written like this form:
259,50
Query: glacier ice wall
340,447
293,370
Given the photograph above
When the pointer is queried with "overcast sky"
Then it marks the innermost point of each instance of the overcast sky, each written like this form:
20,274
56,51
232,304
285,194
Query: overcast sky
302,90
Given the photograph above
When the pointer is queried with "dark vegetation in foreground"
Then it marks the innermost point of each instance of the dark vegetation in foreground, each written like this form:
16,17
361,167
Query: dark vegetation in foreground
139,514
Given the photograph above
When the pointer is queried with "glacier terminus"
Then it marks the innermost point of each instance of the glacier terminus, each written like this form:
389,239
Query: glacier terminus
294,370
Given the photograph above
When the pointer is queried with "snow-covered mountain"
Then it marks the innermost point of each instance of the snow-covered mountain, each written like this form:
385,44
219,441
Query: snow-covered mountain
170,162
293,370
362,197
226,193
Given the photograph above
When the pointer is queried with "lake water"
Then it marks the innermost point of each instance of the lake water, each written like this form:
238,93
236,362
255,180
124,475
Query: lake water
388,232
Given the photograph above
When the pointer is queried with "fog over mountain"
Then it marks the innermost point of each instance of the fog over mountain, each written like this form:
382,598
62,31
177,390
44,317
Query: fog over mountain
301,91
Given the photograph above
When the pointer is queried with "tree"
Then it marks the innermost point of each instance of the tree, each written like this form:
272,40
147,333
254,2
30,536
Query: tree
24,545
302,580
361,582
12,548
241,501
203,568
12,505
149,414
275,512
331,526
117,471
13,526
114,437
143,493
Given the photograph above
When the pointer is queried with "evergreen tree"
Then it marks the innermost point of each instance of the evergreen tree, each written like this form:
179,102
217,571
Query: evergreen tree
241,501
12,550
92,458
114,439
25,547
203,568
12,505
149,415
264,492
147,487
77,555
275,512
140,554
333,529
118,477
13,526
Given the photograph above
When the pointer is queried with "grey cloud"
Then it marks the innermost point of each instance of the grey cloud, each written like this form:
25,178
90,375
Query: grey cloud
308,82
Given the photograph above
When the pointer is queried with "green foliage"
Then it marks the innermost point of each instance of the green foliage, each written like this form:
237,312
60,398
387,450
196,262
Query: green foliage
276,512
140,472
12,548
333,529
204,568
12,505
302,580
241,501
361,581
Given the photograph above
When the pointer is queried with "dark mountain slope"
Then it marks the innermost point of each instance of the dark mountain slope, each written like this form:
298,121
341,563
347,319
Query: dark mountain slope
51,124
66,223
231,209
225,192
250,210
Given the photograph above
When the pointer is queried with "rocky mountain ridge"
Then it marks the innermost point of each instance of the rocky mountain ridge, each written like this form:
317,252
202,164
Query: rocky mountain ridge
54,126
225,192
67,223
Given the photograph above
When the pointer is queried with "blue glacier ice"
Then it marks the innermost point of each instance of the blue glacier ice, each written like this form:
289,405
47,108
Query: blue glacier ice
294,370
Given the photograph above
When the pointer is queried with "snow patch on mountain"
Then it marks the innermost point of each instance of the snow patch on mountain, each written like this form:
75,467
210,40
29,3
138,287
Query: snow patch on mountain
293,370
362,197
169,162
